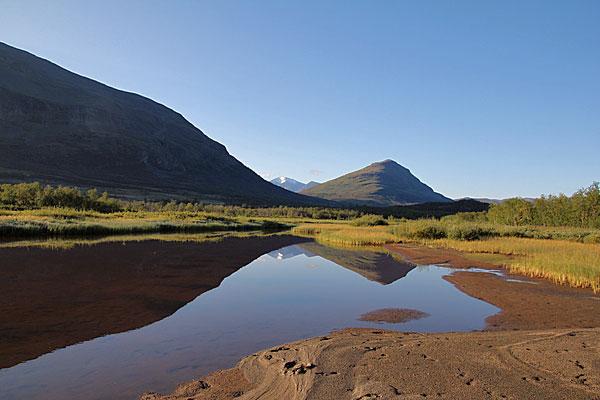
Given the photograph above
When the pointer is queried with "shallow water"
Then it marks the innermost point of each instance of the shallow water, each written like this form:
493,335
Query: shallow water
285,294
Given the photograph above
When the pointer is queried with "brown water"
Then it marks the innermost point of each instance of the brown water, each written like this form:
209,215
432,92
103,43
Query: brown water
185,309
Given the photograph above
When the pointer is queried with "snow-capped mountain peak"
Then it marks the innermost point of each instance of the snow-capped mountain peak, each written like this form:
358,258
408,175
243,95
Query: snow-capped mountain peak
291,184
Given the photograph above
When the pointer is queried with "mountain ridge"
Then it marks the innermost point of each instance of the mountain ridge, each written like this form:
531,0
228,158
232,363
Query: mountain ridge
292,184
384,183
58,127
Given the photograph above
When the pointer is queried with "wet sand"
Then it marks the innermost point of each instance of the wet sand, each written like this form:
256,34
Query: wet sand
393,315
366,364
544,344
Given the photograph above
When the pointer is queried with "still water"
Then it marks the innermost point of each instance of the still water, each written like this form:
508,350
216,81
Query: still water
113,320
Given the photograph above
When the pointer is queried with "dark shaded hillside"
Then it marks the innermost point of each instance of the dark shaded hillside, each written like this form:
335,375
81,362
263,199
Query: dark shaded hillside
381,184
57,127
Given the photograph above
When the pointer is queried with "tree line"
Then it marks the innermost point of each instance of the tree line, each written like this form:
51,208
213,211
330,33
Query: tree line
29,196
582,209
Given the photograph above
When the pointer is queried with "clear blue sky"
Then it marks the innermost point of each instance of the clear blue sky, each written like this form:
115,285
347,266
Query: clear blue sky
476,98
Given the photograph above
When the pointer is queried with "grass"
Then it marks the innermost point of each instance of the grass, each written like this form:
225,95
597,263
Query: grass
563,262
347,235
65,243
65,222
563,255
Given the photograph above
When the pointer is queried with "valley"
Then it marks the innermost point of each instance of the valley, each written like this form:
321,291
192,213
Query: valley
142,257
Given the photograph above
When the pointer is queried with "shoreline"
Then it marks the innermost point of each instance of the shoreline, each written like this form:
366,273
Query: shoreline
375,364
543,344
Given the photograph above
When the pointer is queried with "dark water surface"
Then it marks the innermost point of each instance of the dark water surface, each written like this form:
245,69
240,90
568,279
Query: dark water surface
113,320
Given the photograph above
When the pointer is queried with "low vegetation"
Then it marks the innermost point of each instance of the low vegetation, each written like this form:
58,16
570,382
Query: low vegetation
564,262
554,237
565,255
30,197
582,209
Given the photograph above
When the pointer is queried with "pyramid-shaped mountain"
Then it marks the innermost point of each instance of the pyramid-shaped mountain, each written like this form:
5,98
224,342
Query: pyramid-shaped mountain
384,183
57,127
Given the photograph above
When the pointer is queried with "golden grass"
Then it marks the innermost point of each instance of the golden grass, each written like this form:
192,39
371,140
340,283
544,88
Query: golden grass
564,262
347,235
67,243
43,225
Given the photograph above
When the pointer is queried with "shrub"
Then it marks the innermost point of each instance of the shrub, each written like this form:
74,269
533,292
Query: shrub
369,220
425,229
470,232
592,238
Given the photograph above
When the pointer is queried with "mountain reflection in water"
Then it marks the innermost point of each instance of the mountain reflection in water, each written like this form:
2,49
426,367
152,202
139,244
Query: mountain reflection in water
53,298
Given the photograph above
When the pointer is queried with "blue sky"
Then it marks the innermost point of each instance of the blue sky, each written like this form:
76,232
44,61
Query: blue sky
476,98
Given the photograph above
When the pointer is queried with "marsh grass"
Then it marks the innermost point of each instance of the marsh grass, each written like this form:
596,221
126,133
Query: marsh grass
70,242
469,231
347,235
57,222
574,262
571,263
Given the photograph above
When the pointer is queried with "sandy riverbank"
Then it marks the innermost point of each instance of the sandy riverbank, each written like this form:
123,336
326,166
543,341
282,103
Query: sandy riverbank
367,364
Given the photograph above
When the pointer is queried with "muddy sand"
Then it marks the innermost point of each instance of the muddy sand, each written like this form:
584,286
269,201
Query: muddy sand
544,344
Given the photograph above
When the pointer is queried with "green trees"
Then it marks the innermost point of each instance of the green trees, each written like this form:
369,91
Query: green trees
515,211
33,195
582,209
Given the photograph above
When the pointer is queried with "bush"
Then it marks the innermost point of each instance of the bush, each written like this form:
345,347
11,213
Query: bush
592,238
430,232
470,232
369,220
422,229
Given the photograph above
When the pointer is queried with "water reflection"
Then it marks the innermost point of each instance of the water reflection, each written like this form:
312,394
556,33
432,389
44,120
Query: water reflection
374,263
52,298
274,299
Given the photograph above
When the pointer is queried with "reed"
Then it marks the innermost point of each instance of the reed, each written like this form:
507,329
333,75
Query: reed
30,226
564,262
347,235
569,262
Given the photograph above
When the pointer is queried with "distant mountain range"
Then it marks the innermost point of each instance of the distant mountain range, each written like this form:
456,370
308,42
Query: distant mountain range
57,127
291,184
380,184
498,201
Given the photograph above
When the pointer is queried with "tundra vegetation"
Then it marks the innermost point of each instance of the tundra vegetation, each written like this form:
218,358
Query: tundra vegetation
554,237
30,209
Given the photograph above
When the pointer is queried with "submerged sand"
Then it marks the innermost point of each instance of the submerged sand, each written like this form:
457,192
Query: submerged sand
544,344
392,315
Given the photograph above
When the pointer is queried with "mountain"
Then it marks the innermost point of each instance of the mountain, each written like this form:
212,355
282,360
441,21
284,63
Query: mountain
381,184
309,185
499,201
291,184
57,127
288,183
